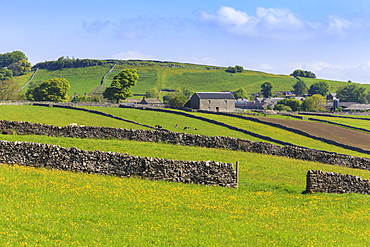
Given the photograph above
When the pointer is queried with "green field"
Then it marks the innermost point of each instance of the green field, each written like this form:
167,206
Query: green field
55,208
157,75
348,121
41,207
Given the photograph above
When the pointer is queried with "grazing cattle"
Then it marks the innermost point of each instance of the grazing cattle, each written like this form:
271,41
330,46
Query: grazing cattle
73,124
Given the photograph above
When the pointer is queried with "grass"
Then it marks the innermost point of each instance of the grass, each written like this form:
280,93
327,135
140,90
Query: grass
59,116
169,121
40,207
54,208
156,75
348,121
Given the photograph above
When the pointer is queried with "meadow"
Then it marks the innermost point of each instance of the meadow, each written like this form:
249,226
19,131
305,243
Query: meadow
41,207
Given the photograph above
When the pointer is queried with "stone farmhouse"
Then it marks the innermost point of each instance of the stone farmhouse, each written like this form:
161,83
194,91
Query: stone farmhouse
212,101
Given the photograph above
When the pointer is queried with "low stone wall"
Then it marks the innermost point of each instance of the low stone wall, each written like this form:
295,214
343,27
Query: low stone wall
117,164
26,128
330,182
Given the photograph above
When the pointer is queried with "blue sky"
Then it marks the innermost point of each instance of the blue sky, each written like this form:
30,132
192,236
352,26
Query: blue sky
330,38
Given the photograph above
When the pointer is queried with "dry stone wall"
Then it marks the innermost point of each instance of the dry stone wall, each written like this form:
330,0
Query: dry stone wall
27,128
117,164
330,182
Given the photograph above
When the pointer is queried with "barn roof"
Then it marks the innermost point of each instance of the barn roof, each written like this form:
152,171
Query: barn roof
215,95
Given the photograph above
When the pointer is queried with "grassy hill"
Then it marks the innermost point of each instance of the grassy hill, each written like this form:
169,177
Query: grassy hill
162,75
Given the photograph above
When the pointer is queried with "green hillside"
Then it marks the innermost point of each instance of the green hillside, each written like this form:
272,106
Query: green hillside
166,75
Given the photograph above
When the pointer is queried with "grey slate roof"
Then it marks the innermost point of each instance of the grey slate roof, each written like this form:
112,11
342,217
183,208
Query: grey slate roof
215,95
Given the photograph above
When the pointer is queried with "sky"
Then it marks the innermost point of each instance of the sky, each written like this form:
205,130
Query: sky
328,37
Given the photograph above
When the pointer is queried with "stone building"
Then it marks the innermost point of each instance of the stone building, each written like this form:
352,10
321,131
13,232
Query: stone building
212,101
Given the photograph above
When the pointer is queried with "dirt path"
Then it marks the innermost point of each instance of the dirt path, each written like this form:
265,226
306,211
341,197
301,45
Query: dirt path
331,132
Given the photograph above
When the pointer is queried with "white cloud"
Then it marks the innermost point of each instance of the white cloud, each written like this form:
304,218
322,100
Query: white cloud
338,25
132,55
263,23
282,23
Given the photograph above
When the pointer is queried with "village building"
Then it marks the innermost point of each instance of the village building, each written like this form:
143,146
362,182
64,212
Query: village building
212,101
151,102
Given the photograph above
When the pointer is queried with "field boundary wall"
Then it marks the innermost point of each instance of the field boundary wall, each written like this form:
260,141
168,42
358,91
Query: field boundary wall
116,164
175,138
330,182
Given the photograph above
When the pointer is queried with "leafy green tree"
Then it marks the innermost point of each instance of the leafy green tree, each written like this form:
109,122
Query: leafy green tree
20,68
321,88
51,90
241,93
294,105
188,92
230,69
236,69
314,103
9,90
281,107
239,69
303,73
352,93
6,74
300,88
266,89
11,57
152,93
120,86
177,100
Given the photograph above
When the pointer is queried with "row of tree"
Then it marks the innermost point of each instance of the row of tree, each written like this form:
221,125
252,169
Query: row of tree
346,93
313,103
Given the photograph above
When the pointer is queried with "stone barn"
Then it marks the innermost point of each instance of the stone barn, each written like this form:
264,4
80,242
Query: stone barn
212,101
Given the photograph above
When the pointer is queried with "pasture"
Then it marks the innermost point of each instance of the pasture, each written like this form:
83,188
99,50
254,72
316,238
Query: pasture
41,207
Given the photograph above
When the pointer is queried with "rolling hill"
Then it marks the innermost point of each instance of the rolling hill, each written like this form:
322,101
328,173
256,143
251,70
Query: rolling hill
171,75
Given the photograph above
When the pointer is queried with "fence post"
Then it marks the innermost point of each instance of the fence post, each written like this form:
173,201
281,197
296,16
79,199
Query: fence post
237,174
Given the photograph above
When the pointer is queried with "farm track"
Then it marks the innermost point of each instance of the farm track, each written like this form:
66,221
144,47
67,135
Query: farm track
331,132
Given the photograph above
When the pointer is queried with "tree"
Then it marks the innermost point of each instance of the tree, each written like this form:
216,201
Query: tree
177,100
352,93
51,90
303,73
300,88
266,88
11,57
293,104
152,93
6,74
236,69
9,90
281,107
321,88
120,86
314,103
241,93
20,68
239,69
230,69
